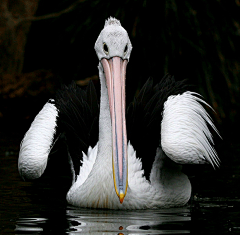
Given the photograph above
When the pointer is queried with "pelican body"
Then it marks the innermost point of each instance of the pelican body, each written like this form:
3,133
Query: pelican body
122,159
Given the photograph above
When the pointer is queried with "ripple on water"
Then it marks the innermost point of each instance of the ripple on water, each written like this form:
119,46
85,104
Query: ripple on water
203,217
30,225
86,221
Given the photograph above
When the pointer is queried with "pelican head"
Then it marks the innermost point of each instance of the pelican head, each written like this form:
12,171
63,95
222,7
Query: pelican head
113,41
113,48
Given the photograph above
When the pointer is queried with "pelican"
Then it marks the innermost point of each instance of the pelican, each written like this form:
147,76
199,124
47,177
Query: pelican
122,159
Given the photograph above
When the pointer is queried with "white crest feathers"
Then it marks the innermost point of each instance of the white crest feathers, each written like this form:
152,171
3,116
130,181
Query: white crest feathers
112,21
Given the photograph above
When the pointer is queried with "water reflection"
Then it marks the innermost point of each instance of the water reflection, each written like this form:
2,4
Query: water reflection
207,216
86,221
168,221
30,225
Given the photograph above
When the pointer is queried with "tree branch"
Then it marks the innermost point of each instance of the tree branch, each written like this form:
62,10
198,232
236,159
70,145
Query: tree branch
52,15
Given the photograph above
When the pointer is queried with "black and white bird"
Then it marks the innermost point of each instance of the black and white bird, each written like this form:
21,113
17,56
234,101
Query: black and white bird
121,160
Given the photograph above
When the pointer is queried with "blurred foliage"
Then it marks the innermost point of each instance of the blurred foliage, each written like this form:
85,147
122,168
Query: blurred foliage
13,33
197,40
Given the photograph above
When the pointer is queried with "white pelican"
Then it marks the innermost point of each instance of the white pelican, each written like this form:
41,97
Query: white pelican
167,127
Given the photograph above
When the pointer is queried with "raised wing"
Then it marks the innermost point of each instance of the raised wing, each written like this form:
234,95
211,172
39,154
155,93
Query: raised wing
185,136
78,119
37,142
144,117
74,113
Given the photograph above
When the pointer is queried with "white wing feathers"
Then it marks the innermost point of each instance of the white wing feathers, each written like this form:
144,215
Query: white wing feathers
185,137
37,143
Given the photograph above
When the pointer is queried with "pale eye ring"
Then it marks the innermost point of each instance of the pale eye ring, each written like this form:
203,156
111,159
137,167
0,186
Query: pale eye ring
126,49
105,48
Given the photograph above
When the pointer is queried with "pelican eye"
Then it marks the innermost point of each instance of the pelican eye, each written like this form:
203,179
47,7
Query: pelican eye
105,48
125,49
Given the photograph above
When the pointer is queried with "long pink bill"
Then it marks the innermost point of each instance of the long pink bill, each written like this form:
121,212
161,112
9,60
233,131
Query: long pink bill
115,73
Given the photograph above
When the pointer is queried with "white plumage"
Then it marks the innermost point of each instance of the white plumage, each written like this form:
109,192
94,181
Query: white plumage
185,139
36,144
173,190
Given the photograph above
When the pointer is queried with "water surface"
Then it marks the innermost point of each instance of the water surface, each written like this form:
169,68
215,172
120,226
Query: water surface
40,207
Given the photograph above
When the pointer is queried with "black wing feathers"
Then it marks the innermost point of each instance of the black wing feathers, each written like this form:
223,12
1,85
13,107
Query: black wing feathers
78,119
144,117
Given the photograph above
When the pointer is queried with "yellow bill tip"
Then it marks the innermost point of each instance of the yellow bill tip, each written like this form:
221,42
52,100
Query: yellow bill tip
121,197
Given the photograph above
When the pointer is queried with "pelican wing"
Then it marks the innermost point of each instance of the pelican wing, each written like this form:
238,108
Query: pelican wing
143,117
185,136
74,114
37,142
78,119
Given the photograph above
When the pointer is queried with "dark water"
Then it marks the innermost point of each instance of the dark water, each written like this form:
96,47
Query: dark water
40,208
174,221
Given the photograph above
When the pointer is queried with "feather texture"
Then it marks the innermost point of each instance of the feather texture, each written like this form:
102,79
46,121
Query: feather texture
185,136
144,117
37,142
78,119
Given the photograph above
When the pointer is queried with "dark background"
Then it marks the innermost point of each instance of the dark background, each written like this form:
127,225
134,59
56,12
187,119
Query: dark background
46,43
